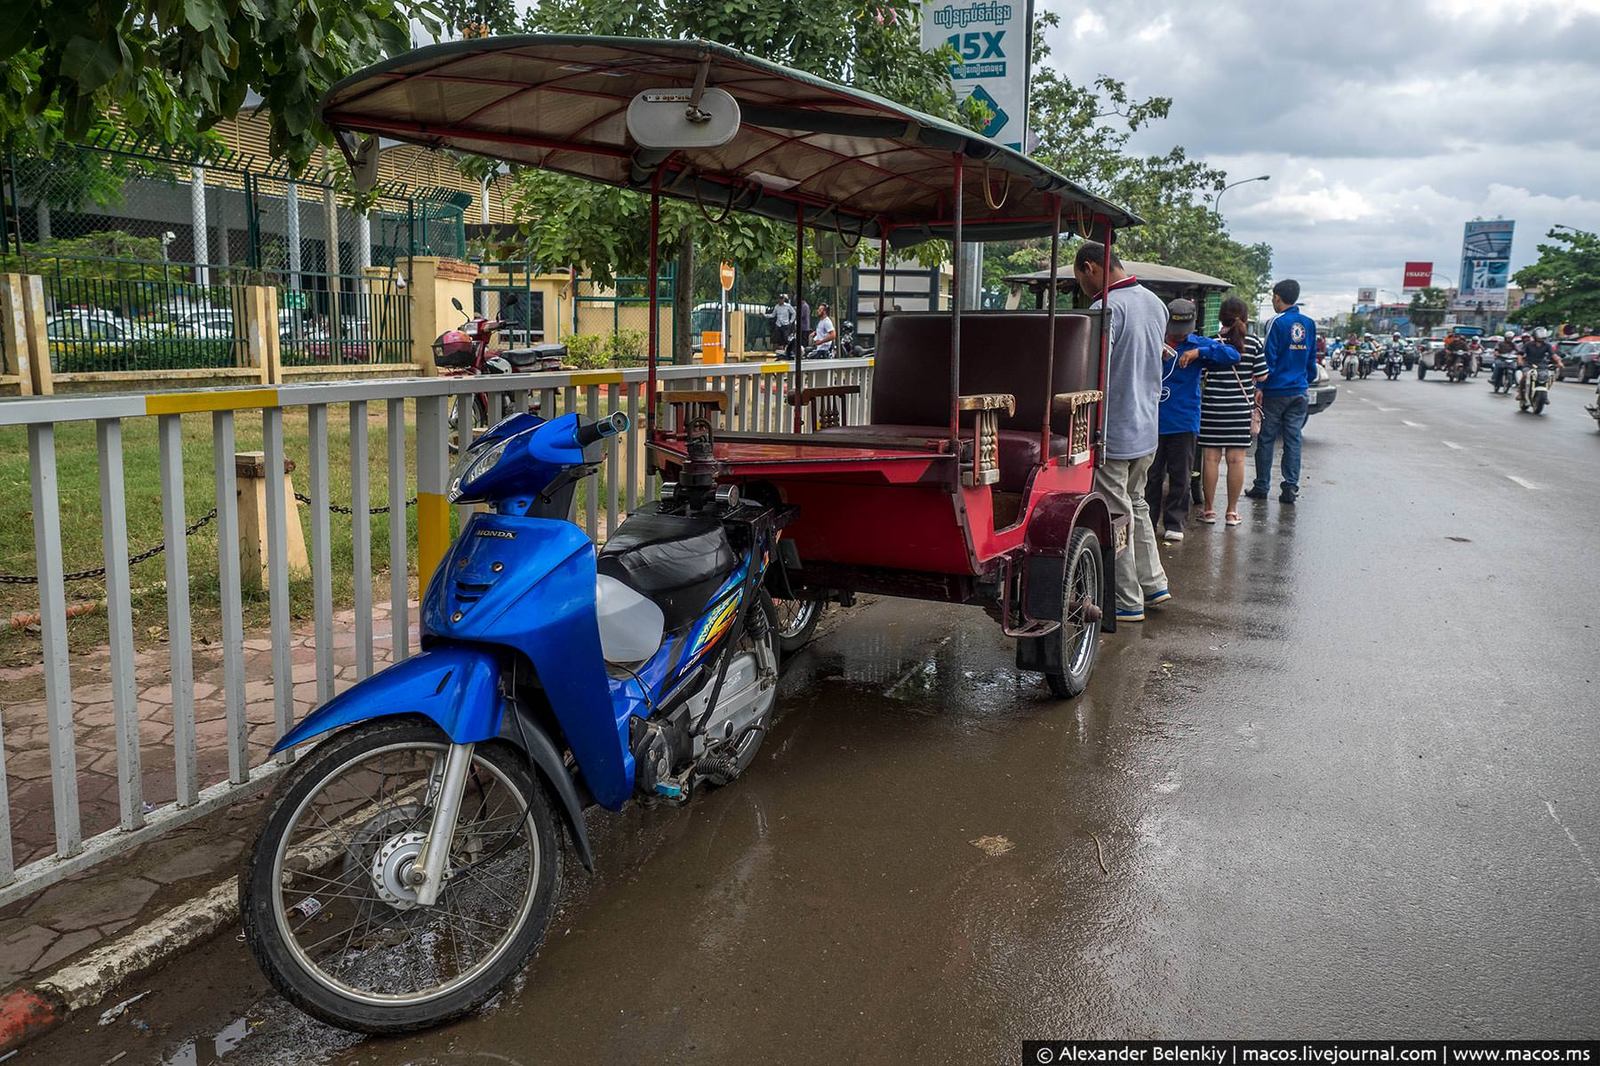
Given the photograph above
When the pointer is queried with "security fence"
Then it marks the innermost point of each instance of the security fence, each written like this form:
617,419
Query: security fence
140,245
121,743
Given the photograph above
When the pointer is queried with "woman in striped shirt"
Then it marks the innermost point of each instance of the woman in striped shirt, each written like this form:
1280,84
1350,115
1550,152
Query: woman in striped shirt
1227,402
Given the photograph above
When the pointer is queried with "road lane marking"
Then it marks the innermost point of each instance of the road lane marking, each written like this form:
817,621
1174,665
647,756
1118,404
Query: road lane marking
1413,425
1452,445
1582,853
1386,410
1524,482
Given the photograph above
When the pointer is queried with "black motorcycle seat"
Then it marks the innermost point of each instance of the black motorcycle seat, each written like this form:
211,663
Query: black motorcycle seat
676,561
534,354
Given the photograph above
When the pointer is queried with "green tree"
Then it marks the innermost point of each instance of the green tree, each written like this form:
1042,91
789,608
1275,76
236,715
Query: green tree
1428,308
1083,131
871,45
1565,280
170,67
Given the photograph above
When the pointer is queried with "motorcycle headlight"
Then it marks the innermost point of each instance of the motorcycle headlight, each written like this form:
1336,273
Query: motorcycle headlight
476,465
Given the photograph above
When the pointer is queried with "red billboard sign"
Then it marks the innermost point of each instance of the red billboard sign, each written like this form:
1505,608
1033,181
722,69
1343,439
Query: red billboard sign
1418,276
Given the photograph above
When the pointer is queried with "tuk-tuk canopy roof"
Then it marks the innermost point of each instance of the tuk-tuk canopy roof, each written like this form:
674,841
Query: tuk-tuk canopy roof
1157,273
850,160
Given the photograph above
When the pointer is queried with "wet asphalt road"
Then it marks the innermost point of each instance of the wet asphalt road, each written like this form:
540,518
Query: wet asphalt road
1344,786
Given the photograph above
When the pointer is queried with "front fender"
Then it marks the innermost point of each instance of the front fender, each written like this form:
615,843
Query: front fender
457,688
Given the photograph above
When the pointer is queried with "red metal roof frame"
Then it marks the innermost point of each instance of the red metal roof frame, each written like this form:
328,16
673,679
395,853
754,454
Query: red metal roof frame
896,184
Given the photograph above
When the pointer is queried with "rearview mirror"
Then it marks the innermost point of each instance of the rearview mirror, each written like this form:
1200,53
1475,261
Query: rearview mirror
454,302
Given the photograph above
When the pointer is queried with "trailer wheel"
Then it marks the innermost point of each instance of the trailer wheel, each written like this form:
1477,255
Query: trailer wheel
1081,610
1422,372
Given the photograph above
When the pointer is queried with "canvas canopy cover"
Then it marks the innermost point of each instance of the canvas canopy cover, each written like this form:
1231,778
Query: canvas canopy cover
841,158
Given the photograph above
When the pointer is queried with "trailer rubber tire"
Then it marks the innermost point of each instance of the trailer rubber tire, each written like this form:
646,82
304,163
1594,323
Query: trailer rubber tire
1084,561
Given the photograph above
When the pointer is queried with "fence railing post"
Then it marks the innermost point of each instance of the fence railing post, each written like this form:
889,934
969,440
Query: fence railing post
433,508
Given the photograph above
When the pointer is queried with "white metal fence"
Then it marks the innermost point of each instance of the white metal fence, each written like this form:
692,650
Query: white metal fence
426,408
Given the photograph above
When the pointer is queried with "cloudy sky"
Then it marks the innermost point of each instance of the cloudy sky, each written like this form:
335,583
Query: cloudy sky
1384,126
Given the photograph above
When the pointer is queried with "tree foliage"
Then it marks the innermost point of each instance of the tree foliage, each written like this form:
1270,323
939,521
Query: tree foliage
1565,280
870,45
171,67
1428,308
1084,130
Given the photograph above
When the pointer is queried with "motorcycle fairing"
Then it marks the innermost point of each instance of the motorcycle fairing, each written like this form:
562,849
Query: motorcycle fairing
484,592
457,688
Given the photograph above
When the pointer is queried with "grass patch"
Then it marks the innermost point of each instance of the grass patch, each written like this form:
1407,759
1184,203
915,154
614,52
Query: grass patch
78,476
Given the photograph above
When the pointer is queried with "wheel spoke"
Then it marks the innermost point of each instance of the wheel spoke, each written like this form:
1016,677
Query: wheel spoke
383,947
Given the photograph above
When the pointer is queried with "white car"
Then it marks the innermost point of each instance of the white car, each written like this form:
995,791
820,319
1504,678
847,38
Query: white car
214,323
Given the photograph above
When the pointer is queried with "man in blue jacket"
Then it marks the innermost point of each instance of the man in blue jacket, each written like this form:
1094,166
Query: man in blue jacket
1291,369
1186,356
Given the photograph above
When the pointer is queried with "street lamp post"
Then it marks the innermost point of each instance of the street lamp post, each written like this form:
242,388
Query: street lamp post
1216,205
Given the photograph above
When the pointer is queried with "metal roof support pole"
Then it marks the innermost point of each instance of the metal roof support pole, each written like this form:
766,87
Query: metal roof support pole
799,288
955,321
883,263
1050,340
655,316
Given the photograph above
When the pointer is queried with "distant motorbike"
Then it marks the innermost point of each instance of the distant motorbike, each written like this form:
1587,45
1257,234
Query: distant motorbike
464,352
1534,391
1356,362
1594,408
1393,364
1503,374
844,346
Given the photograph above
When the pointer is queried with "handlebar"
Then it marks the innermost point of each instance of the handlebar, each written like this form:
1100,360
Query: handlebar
606,427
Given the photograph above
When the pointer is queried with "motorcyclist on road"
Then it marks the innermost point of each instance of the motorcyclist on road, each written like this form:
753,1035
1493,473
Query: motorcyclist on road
1506,345
1538,352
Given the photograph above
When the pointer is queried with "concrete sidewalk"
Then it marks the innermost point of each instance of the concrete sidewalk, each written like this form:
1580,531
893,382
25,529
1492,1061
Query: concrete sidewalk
153,887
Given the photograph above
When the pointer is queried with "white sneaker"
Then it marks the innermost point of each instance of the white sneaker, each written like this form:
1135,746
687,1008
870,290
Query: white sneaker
1172,536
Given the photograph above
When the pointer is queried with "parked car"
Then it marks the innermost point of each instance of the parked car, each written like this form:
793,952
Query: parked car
212,323
121,327
1322,394
354,344
1581,356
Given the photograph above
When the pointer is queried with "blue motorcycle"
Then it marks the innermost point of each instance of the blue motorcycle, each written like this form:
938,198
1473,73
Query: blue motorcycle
410,862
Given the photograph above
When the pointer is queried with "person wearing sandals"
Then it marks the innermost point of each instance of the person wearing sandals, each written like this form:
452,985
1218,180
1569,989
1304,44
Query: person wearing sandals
1227,412
1186,357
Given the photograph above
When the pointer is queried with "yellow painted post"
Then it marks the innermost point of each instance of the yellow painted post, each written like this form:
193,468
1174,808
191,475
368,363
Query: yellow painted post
260,320
38,344
433,508
14,356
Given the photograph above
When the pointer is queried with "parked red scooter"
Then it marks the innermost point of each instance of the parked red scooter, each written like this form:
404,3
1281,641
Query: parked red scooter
464,352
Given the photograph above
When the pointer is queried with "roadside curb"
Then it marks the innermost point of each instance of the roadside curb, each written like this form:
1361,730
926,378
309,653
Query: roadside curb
28,1013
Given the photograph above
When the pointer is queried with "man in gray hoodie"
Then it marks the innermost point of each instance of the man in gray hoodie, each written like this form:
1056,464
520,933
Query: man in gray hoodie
1136,324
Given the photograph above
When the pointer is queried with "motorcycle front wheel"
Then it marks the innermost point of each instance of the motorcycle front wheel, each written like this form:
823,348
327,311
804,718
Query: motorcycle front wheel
328,914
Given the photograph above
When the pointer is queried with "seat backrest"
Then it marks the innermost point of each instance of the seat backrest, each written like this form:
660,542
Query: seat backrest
1001,351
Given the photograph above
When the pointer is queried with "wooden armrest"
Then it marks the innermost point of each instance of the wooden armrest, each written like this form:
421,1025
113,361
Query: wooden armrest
993,401
805,396
707,398
1078,399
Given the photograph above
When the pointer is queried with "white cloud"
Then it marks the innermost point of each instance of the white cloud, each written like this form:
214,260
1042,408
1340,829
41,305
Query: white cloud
1385,126
1088,24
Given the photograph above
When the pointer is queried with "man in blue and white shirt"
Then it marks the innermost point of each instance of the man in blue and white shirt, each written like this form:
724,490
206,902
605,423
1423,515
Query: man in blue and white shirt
1291,369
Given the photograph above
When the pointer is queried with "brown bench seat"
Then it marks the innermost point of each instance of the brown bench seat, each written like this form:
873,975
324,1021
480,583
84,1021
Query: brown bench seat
1001,352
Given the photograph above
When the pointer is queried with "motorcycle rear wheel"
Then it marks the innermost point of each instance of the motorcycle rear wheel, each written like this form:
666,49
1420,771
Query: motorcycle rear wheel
762,638
319,901
797,621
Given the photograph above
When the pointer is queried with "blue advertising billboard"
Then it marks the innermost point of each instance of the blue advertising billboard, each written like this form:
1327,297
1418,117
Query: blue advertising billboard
993,42
1485,266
